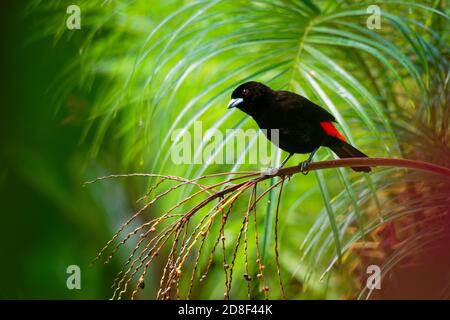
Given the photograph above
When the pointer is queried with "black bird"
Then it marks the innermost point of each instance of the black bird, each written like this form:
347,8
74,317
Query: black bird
303,126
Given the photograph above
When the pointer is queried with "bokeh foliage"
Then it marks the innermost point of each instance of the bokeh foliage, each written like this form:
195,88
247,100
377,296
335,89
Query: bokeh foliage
137,70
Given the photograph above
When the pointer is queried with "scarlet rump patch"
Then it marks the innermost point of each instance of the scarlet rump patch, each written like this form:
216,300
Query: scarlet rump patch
331,130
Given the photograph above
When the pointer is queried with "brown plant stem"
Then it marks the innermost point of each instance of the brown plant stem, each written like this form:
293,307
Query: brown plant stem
226,195
351,162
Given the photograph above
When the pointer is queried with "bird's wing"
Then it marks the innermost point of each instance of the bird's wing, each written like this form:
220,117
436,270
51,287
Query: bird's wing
297,106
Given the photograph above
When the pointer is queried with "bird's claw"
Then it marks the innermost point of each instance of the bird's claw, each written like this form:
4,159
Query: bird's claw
270,171
304,167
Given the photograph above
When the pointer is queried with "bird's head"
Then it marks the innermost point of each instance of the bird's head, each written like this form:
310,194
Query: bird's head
249,97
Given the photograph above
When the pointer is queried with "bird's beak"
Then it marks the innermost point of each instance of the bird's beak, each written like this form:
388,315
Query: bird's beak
235,102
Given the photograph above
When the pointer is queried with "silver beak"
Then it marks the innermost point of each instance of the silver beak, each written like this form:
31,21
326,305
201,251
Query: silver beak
234,103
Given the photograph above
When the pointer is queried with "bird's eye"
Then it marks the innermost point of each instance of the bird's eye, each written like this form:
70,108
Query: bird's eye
245,92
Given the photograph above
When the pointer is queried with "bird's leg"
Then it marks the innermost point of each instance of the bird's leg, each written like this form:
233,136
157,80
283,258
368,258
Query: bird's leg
304,165
285,160
273,171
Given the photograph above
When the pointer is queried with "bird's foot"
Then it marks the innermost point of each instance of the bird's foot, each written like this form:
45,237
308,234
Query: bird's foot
269,171
304,167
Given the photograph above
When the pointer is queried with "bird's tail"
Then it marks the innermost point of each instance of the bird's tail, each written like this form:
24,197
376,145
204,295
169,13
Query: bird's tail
345,150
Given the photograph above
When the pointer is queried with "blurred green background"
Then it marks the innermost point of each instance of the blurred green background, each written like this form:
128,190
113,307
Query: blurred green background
50,220
79,104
